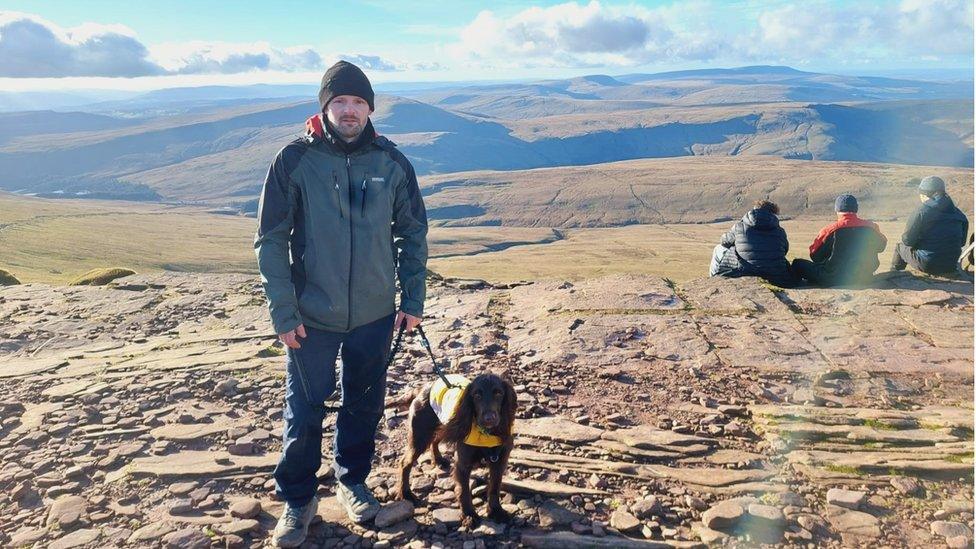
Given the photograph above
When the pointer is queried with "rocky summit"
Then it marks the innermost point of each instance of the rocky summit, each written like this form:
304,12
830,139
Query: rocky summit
147,413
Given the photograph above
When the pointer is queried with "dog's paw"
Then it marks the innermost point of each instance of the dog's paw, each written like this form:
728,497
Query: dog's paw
499,515
406,494
471,521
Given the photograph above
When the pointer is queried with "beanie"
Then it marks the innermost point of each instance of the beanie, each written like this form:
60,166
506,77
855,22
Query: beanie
845,203
344,78
931,185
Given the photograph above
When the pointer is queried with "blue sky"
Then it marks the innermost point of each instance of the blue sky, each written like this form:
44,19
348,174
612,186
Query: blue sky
140,45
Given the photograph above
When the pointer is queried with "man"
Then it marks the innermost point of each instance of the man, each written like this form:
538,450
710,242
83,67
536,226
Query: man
340,216
935,233
846,251
755,246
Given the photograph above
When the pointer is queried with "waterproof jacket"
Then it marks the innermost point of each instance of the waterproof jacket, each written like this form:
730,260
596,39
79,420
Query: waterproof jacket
757,247
847,250
937,232
335,229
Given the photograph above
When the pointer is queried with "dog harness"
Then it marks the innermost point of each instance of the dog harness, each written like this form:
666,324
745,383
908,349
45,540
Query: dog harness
444,400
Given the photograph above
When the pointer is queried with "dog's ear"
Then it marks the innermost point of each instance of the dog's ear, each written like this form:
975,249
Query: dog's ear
509,407
458,427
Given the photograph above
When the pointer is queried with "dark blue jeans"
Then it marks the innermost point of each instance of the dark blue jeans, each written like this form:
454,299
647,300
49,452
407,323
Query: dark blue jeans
311,378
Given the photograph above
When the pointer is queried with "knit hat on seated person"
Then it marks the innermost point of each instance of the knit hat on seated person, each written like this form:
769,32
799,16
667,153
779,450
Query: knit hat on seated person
931,185
845,203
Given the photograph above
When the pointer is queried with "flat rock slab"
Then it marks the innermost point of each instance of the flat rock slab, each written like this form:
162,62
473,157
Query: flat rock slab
652,438
189,463
624,292
77,538
559,429
743,295
569,540
853,524
190,431
552,489
18,367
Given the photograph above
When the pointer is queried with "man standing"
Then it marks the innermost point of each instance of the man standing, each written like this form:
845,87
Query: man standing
935,233
340,217
844,252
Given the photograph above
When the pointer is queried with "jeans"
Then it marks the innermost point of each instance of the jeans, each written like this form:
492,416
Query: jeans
311,378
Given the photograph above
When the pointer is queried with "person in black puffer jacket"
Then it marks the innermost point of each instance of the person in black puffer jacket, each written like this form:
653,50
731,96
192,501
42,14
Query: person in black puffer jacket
755,246
935,232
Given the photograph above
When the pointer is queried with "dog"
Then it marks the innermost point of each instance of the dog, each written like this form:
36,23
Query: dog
475,417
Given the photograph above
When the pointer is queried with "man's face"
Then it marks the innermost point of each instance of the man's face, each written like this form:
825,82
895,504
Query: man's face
348,114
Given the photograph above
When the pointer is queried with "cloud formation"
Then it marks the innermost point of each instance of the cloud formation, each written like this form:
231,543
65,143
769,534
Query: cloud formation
581,35
31,47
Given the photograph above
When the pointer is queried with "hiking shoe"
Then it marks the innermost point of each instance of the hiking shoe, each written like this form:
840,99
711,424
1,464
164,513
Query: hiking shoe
293,525
358,502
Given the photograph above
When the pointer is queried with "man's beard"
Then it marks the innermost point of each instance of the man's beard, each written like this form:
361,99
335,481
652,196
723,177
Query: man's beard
350,132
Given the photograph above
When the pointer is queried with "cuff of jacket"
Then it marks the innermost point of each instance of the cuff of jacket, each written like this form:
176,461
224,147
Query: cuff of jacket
412,307
286,323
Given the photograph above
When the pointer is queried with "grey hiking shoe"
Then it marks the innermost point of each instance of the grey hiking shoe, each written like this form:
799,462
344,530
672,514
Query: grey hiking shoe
293,525
358,502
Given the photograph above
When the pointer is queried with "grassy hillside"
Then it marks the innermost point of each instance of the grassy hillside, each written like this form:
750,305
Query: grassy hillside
676,190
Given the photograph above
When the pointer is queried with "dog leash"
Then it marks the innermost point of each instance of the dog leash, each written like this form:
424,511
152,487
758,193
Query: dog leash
430,352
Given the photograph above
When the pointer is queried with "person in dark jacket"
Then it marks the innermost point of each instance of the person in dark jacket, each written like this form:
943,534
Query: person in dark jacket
755,246
341,219
935,232
846,251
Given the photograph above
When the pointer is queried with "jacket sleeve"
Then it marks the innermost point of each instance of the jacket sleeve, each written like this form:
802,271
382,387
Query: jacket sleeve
410,240
822,253
728,239
821,237
276,211
882,239
785,240
914,228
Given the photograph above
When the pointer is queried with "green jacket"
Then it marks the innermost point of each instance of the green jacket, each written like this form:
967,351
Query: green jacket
336,228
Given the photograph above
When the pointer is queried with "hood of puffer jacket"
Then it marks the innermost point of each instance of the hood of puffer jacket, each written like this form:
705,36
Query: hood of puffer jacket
763,220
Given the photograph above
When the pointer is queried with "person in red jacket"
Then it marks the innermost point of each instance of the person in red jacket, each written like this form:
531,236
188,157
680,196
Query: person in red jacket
846,251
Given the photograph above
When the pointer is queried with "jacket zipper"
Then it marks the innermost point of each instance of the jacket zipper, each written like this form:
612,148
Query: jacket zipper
335,179
362,211
351,247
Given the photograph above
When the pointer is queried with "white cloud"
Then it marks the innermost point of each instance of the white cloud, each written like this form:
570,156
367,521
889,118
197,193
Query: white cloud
232,58
33,47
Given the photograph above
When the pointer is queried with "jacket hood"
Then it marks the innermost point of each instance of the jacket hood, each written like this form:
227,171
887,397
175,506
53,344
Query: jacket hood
764,220
941,203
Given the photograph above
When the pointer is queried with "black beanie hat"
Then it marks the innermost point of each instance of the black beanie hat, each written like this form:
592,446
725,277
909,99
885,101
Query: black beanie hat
344,78
845,203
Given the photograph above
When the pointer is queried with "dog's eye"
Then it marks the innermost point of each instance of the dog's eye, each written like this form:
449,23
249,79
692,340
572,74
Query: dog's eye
497,393
478,394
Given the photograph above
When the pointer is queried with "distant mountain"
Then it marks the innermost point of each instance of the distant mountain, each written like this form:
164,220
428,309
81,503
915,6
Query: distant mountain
213,144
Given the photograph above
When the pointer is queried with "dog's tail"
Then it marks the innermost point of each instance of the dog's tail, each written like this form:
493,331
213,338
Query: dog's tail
400,402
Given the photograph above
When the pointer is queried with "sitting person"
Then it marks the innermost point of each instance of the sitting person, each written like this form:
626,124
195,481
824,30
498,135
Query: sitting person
935,233
846,251
755,246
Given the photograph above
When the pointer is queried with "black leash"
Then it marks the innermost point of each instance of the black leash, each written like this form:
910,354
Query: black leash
430,352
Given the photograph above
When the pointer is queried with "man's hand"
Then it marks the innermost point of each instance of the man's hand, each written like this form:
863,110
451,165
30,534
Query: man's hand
410,320
290,338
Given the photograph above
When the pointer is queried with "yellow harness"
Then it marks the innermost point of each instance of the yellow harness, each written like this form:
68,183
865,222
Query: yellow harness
444,400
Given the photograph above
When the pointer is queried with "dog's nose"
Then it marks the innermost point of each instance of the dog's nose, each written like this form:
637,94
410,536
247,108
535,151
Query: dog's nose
490,419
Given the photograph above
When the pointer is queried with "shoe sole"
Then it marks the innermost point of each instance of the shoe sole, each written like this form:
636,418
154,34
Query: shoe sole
307,521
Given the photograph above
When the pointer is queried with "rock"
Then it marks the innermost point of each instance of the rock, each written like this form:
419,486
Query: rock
26,536
227,387
447,516
646,507
624,521
957,507
853,524
240,448
187,538
150,532
233,541
766,523
246,508
66,511
560,429
182,488
958,542
569,540
181,506
552,514
695,503
906,485
76,539
849,499
393,513
723,515
239,527
707,535
948,529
